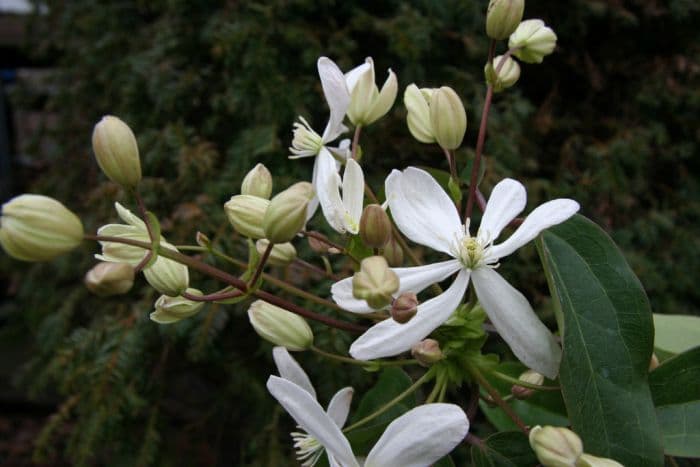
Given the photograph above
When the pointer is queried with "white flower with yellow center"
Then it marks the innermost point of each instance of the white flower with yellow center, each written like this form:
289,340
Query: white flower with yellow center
426,215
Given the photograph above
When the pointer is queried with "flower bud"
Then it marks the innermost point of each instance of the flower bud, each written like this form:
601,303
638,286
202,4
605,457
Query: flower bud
246,214
533,40
286,215
202,240
427,352
375,282
318,246
531,377
172,309
404,307
503,17
506,77
367,103
258,182
279,326
556,446
38,228
417,102
447,118
116,151
281,255
587,460
167,276
106,279
375,226
393,253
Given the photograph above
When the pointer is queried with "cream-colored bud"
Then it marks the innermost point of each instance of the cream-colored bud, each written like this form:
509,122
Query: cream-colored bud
507,76
106,279
393,253
116,151
556,446
417,102
202,240
286,215
258,182
304,189
38,228
246,214
404,307
447,118
587,460
533,41
281,255
375,226
531,377
375,282
172,309
167,276
367,103
427,352
503,17
279,326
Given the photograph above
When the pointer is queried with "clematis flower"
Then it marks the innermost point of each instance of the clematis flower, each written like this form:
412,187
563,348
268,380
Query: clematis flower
417,438
425,214
342,213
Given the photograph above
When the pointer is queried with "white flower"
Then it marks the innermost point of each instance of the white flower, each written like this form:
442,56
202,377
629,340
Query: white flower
343,214
369,104
417,438
426,215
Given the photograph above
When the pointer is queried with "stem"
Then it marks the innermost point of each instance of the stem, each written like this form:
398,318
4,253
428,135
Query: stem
317,269
261,264
212,297
453,164
474,441
498,399
142,210
477,155
391,403
356,141
323,239
518,382
342,358
473,403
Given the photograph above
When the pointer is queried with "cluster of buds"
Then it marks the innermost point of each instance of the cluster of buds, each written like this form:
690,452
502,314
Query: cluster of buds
435,115
561,447
375,282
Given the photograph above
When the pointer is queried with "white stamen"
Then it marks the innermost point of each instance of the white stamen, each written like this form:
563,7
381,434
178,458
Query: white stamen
309,450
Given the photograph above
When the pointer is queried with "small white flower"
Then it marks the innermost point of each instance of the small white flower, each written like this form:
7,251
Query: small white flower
342,213
417,438
426,215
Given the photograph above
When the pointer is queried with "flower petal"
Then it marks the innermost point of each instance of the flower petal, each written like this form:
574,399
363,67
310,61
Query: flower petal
352,76
337,97
339,406
384,100
544,216
327,186
416,279
312,418
362,94
290,370
517,323
420,437
342,295
128,217
422,210
353,195
390,338
418,117
507,200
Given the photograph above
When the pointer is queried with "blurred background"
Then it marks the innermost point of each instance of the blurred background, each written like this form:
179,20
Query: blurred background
611,119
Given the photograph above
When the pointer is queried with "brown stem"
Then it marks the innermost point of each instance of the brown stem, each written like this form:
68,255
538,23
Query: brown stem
316,269
473,403
212,297
499,400
142,210
356,141
142,264
322,238
477,155
261,264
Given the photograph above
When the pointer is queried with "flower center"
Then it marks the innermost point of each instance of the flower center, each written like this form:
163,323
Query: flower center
471,252
305,138
308,448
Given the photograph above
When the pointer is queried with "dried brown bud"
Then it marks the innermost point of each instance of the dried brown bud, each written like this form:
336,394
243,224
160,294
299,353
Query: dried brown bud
427,352
404,307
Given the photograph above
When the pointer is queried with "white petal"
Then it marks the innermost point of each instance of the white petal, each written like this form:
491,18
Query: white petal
353,75
517,323
385,99
546,215
416,279
362,95
353,194
337,97
327,186
390,338
128,217
339,406
422,210
420,437
312,418
342,295
290,370
507,200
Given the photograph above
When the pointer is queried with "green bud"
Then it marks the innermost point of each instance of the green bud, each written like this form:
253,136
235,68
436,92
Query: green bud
427,352
279,326
38,228
404,307
246,214
506,77
417,102
106,279
116,151
258,182
531,377
393,253
167,276
556,446
202,240
533,41
286,215
447,118
375,282
503,17
587,460
173,309
281,255
375,226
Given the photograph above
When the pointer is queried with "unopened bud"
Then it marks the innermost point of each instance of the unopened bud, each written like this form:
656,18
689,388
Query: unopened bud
503,17
375,226
286,215
202,240
417,102
281,255
38,228
116,151
375,282
587,460
106,279
246,214
393,253
304,189
367,102
447,118
556,446
427,352
167,276
404,307
654,362
316,244
506,77
173,309
533,41
279,326
531,377
258,182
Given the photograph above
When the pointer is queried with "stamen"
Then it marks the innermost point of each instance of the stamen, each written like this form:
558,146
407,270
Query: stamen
309,450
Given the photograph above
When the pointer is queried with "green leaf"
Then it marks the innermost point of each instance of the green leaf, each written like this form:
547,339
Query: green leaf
607,339
680,424
358,249
676,333
505,449
154,226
